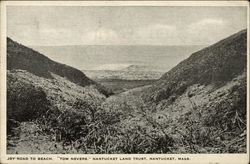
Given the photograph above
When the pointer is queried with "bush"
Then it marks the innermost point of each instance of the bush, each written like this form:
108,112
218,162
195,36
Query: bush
25,101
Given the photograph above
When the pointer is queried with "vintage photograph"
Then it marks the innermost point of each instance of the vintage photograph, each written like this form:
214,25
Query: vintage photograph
126,79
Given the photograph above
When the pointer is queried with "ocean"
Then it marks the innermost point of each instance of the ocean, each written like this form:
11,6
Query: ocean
113,57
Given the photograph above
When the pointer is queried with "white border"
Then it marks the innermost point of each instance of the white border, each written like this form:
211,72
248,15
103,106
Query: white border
200,158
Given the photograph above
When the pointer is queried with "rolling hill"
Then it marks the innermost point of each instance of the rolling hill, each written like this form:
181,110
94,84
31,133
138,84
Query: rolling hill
24,58
199,106
215,65
204,98
36,83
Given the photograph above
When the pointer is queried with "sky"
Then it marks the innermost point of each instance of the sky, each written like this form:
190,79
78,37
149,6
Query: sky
83,25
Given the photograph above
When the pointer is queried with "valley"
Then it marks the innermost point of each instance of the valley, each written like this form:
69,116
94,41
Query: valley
123,80
196,106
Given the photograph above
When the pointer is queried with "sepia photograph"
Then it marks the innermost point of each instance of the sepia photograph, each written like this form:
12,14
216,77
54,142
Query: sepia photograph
126,79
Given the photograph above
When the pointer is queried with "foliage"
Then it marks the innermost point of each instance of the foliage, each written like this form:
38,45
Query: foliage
25,101
24,58
216,64
82,120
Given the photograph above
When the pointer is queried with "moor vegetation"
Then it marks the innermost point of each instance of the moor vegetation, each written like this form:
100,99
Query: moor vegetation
197,107
217,65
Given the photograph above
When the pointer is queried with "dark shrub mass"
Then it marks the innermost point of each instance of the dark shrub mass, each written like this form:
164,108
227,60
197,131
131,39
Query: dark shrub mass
25,101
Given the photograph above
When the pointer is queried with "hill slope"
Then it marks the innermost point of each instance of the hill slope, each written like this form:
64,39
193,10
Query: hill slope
35,84
216,64
48,95
203,99
21,57
197,107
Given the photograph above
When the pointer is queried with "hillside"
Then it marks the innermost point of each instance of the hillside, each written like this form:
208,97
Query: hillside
24,58
199,106
215,65
38,86
203,98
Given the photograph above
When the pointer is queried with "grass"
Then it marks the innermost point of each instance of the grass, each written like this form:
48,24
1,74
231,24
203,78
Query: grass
91,124
188,113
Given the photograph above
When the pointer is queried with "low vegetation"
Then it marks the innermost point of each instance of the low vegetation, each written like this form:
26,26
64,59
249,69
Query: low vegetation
181,113
216,64
125,124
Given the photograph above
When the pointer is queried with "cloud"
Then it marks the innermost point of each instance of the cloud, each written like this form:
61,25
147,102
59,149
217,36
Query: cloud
100,36
155,34
30,35
150,34
205,31
60,36
56,32
206,22
156,31
202,32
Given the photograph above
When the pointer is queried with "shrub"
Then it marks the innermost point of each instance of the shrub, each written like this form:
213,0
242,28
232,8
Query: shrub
25,101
